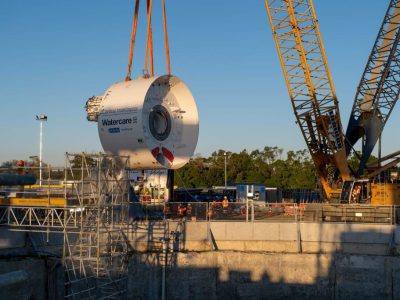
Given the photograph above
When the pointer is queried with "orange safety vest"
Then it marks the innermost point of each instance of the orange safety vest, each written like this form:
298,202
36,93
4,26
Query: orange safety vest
225,203
210,212
181,210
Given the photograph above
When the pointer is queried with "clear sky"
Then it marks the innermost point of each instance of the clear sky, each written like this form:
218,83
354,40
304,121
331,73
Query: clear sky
54,55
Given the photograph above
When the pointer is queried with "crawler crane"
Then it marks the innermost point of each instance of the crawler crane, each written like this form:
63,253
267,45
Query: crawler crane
301,51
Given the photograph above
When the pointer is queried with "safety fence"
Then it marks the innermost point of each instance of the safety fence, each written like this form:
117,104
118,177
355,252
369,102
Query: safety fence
59,218
251,211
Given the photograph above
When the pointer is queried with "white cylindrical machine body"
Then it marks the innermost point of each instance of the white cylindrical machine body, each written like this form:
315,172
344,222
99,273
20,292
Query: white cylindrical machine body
153,121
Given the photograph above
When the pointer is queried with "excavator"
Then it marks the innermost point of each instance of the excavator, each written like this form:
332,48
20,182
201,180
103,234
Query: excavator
308,79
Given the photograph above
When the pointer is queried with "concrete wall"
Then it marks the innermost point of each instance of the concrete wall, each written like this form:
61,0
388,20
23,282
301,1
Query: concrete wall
237,275
35,288
254,261
45,275
269,237
266,261
11,239
45,279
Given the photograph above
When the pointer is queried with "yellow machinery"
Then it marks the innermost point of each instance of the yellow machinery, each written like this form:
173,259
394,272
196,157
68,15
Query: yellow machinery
59,202
385,194
20,190
46,195
309,82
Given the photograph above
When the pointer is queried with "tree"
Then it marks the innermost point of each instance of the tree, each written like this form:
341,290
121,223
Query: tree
354,160
264,166
9,164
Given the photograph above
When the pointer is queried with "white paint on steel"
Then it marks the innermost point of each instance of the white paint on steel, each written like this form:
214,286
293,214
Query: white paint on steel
367,104
41,118
154,121
40,153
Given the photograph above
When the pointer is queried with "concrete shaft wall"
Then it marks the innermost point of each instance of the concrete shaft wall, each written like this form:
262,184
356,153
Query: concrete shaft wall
45,278
237,275
269,237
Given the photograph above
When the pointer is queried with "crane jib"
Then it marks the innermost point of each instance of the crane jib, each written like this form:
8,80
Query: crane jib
379,88
309,82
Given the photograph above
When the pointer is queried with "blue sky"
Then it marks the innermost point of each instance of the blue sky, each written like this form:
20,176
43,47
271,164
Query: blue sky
54,55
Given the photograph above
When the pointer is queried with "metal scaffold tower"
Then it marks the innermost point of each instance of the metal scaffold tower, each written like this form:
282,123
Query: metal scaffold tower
95,255
93,220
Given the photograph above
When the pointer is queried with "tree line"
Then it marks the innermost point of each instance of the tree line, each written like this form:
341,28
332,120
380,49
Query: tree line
269,166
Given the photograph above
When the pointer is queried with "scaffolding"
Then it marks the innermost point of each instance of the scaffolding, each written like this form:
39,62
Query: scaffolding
95,256
93,221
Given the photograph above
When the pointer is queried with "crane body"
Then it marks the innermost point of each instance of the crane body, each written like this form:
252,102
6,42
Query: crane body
308,79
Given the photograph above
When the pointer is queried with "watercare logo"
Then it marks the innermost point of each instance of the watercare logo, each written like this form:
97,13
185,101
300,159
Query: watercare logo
112,122
114,130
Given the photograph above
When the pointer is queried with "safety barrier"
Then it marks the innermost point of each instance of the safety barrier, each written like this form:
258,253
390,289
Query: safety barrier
251,211
350,213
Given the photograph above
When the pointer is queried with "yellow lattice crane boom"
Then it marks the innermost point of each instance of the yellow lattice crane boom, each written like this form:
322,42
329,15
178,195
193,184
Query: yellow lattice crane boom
309,82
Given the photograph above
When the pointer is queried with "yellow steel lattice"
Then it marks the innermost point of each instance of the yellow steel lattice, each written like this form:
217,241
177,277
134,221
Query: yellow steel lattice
308,79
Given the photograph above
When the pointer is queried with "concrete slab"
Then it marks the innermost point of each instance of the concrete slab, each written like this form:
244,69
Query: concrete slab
236,231
218,230
287,231
346,233
365,233
196,231
266,231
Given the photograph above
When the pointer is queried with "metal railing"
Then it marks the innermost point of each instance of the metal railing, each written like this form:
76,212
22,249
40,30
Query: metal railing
252,211
56,219
40,219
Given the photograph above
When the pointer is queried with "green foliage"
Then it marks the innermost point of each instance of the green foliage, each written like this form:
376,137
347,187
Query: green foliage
9,164
354,160
32,167
77,163
266,166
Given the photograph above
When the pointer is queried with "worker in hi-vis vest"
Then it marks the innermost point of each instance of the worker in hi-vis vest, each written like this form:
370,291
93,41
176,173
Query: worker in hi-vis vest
225,203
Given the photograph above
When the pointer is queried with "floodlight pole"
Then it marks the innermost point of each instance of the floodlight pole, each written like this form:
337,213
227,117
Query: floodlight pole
40,153
226,184
41,119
